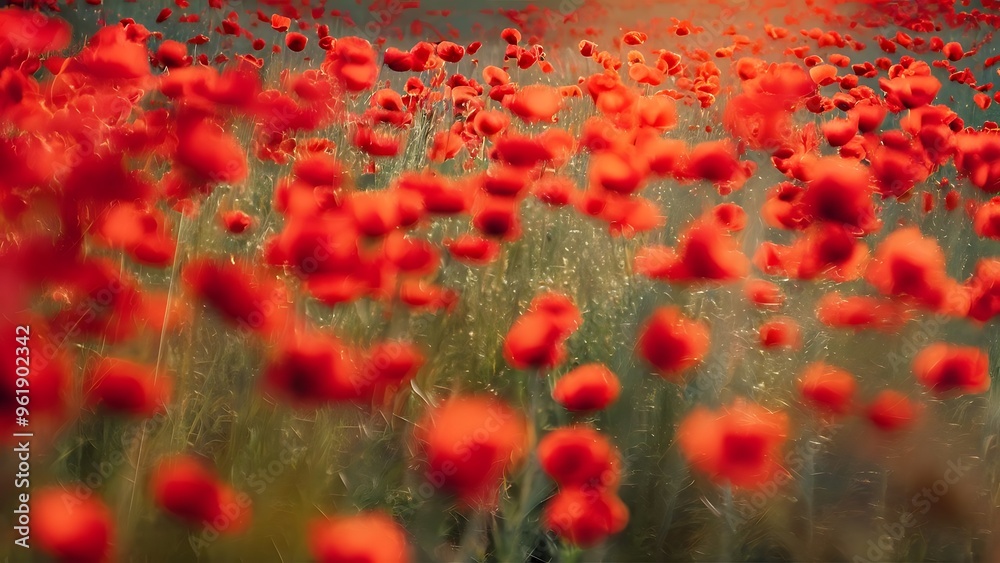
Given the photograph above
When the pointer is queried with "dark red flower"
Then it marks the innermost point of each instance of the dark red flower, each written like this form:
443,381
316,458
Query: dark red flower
780,332
127,387
579,456
311,370
585,516
185,488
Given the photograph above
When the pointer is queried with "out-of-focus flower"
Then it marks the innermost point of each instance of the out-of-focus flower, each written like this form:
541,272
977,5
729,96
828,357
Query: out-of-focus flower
70,528
579,456
739,444
370,537
948,369
588,387
469,444
185,488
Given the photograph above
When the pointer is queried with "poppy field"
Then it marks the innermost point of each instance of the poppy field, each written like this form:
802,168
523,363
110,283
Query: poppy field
396,281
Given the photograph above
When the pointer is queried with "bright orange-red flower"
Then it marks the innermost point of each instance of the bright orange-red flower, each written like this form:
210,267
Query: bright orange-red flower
912,266
860,312
764,294
891,410
673,343
705,253
370,537
984,290
70,528
587,388
537,338
827,388
740,444
469,444
947,368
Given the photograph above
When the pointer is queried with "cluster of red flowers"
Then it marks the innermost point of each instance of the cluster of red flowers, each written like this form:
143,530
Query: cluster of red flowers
587,468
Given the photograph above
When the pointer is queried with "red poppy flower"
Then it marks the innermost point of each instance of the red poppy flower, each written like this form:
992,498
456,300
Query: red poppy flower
673,343
410,255
497,217
235,221
312,370
780,332
705,253
891,411
730,216
352,61
859,312
910,91
107,301
946,368
621,172
975,156
213,155
70,528
579,456
423,296
783,208
585,516
186,489
714,161
110,54
987,219
535,103
740,444
537,338
469,444
241,298
764,294
371,537
984,290
627,216
827,250
589,387
840,191
473,250
827,388
126,387
46,33
909,265
142,233
504,181
560,308
488,123
387,367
